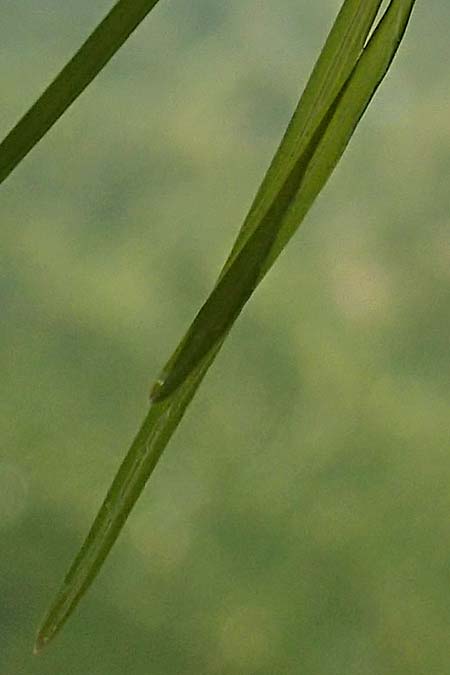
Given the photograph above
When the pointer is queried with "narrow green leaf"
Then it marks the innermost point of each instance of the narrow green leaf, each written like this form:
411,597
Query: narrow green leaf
337,58
289,206
237,284
300,170
92,56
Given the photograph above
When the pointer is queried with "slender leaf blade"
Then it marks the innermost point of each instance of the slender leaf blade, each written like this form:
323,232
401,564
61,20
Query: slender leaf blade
166,413
334,65
288,208
336,60
76,75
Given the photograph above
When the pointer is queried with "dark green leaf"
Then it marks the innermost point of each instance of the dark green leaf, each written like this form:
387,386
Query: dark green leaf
95,53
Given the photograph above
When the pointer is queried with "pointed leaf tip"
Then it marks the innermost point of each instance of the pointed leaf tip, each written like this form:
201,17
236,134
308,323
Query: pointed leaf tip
365,68
41,642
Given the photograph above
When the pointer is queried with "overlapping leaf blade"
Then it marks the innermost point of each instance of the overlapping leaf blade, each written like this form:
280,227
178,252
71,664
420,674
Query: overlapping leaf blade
76,75
337,58
339,91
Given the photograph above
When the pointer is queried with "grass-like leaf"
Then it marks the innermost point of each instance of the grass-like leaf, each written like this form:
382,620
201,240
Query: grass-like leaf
95,53
343,82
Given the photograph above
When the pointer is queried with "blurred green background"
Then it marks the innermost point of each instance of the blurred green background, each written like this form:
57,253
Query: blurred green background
299,521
